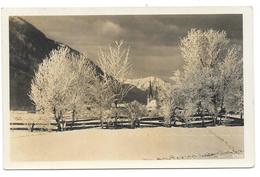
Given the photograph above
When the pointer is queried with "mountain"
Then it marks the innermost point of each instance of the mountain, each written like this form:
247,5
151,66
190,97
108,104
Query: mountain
27,47
141,87
136,94
144,83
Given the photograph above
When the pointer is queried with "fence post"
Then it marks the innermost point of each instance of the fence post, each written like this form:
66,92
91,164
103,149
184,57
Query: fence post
32,127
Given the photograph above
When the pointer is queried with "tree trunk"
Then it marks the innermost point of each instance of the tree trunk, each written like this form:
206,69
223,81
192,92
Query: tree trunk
202,120
214,120
62,121
32,128
58,123
102,123
57,119
132,123
167,122
241,117
186,123
137,123
215,115
220,119
132,120
100,114
115,123
73,119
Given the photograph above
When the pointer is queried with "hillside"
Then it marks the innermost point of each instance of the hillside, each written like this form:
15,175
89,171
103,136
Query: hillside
144,83
28,47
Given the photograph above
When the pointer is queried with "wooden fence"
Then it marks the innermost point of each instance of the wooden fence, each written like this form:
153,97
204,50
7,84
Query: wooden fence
124,122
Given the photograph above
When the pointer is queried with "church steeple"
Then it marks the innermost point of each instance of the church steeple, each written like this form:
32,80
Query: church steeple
151,97
150,91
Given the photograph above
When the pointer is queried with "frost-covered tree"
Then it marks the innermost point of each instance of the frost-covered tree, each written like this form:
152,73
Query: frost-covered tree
102,97
166,103
114,61
79,93
49,85
232,81
212,67
61,83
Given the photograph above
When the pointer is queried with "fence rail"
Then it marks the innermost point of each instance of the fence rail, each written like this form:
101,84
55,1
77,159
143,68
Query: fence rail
123,122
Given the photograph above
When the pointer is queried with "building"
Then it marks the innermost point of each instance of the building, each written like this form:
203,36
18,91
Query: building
152,102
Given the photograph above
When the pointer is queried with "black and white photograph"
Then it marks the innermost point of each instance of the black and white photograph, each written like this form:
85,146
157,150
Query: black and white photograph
159,87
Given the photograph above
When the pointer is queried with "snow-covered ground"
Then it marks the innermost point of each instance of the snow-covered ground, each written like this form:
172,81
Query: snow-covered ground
128,144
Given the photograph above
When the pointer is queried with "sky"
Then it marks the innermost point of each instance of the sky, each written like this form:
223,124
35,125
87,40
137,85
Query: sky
153,39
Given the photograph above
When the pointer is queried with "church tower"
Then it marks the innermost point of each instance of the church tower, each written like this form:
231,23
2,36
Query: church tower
150,93
151,98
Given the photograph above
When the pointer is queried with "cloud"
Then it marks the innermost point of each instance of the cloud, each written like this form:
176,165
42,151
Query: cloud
110,28
153,39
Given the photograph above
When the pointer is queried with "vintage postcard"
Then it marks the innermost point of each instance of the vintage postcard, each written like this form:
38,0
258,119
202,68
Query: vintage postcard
128,88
